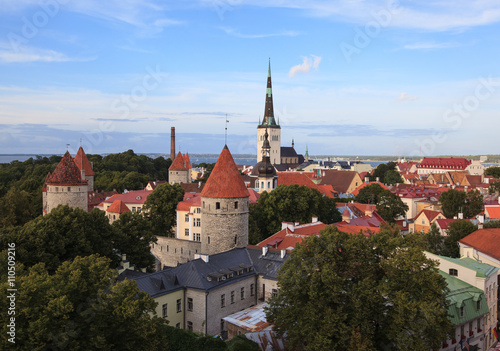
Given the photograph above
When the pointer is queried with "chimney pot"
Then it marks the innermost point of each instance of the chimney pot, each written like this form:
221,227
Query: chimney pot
283,253
264,250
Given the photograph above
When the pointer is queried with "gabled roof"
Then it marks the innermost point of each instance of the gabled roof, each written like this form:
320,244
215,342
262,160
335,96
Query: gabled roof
82,162
252,319
405,166
430,214
225,180
444,223
288,151
484,240
190,199
492,211
340,180
117,207
131,197
66,173
287,238
297,178
181,163
482,270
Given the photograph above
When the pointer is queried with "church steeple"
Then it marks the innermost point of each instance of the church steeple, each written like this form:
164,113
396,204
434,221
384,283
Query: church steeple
269,120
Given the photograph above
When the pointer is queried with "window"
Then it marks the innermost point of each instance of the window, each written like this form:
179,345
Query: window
198,237
478,306
190,325
223,300
217,205
242,293
236,205
423,221
196,222
198,210
235,239
275,292
209,240
179,306
232,296
268,184
462,314
69,189
178,326
186,232
164,313
133,209
190,304
139,209
221,325
186,218
453,272
252,289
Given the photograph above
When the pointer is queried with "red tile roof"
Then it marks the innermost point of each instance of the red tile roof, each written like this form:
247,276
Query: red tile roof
286,238
430,214
181,163
82,162
131,197
253,196
493,211
225,180
66,173
356,229
484,240
299,178
444,162
190,199
405,166
445,223
117,207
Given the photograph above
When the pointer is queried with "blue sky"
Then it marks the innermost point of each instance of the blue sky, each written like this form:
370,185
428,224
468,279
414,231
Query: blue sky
350,77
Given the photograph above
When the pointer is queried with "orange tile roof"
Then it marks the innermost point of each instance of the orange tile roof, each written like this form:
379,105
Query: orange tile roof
430,214
299,178
356,229
180,163
493,211
190,199
285,238
484,240
117,207
66,173
82,162
131,197
225,180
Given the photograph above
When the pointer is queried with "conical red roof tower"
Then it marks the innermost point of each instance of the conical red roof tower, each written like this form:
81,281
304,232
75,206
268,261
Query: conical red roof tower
82,162
225,179
66,173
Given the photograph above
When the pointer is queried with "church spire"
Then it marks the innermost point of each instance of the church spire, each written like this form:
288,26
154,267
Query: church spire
268,120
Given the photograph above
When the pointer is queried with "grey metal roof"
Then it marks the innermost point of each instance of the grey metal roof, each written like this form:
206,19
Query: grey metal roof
268,265
288,151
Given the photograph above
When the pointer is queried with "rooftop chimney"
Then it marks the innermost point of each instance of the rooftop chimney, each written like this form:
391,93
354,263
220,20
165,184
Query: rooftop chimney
314,219
367,180
264,250
172,143
460,215
377,180
283,253
204,257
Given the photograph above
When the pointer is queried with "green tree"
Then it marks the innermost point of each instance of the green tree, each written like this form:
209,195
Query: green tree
456,231
16,208
134,236
369,194
81,307
492,171
289,203
242,343
392,177
160,208
434,241
454,202
494,188
208,169
390,206
378,285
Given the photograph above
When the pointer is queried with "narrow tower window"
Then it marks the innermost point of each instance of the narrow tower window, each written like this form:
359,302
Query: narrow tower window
217,205
236,205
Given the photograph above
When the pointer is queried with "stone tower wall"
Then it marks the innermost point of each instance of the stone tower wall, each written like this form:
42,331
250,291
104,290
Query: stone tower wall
74,196
172,251
274,142
221,224
177,177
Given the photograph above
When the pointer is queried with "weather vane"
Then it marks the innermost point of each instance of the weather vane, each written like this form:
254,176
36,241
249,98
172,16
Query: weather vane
67,147
225,133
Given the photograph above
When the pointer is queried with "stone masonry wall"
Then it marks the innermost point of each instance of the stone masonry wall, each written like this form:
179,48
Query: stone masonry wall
177,177
73,196
172,251
223,227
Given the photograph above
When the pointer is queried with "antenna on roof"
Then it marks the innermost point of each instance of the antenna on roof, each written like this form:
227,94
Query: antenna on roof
225,132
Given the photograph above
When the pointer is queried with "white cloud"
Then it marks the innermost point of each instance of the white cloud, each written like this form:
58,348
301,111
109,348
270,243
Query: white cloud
406,97
31,54
306,65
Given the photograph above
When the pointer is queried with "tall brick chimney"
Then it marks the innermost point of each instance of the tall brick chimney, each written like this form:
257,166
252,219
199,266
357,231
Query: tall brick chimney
172,143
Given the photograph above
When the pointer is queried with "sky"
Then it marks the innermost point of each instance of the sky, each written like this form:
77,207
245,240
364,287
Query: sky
350,77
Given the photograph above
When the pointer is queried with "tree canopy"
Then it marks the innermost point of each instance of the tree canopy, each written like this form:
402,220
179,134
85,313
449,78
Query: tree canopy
454,202
456,231
160,206
369,194
66,233
343,292
81,307
389,205
386,173
289,203
492,171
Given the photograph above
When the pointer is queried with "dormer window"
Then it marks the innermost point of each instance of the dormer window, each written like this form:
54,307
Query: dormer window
478,305
462,311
